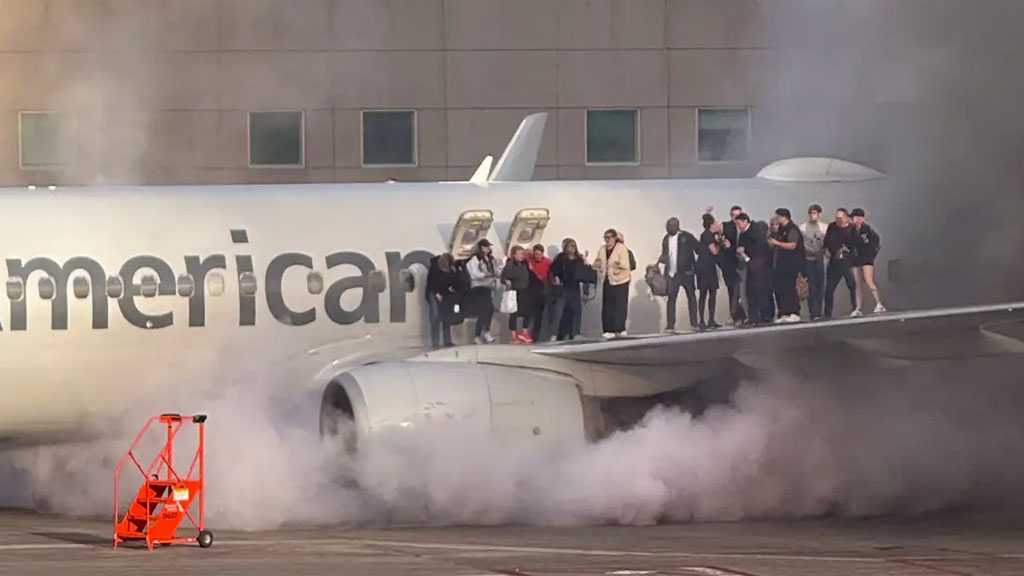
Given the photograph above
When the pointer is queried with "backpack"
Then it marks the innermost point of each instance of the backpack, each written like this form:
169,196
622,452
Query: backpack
656,281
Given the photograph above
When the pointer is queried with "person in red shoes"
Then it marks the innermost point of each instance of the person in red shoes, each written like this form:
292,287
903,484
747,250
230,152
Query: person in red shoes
540,292
516,276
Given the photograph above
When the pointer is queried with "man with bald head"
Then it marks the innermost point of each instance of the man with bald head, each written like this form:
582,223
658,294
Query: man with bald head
679,261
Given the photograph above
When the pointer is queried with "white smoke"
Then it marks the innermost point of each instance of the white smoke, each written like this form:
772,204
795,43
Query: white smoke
791,447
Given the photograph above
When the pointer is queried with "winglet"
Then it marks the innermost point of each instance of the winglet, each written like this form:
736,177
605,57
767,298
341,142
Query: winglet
483,171
520,156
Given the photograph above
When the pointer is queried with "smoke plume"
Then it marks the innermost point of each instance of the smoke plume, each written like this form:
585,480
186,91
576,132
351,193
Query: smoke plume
894,442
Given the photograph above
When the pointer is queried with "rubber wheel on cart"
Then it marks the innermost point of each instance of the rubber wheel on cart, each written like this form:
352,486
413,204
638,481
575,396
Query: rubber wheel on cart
205,538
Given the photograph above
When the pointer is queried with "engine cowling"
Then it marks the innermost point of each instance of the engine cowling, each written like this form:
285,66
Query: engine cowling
503,401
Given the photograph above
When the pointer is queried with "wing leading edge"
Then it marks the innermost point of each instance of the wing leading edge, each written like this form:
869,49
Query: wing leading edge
925,334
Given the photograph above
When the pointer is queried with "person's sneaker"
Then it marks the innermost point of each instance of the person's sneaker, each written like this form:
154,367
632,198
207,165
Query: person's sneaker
608,335
794,318
879,309
714,325
489,338
856,314
525,338
478,340
622,334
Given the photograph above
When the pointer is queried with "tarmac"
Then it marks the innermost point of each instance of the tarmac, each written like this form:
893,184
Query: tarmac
35,544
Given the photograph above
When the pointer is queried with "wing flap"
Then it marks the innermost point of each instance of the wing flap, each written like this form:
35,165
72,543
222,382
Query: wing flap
944,332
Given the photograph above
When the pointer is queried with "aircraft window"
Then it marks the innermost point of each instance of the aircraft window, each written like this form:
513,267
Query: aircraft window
80,286
41,144
247,284
389,138
148,285
46,288
315,282
186,286
215,284
723,134
276,139
115,287
612,136
15,289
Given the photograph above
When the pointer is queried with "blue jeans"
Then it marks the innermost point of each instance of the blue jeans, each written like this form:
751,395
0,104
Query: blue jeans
814,270
440,325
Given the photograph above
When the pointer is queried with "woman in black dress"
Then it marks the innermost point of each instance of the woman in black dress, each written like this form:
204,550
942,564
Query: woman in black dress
707,272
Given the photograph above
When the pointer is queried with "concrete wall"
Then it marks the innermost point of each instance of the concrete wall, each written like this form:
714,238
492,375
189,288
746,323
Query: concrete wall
157,91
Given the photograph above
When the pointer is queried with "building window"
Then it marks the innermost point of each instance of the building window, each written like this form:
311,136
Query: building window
276,139
389,138
40,140
612,137
723,135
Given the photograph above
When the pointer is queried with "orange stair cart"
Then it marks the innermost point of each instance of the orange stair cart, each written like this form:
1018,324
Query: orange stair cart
165,498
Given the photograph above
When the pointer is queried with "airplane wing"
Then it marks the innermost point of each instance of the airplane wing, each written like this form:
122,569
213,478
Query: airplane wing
919,335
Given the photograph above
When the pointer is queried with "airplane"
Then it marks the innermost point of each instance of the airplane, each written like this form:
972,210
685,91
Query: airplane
121,301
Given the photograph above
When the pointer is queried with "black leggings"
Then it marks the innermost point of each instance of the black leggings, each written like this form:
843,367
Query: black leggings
513,321
708,298
615,305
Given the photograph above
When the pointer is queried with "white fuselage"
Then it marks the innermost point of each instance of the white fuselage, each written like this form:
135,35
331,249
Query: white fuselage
108,355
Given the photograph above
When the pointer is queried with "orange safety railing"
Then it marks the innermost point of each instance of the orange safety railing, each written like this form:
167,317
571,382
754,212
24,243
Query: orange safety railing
165,497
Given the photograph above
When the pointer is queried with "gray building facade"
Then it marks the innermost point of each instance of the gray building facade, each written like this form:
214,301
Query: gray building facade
242,91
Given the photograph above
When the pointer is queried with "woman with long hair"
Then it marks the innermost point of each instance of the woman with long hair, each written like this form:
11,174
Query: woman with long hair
613,269
566,283
483,273
516,276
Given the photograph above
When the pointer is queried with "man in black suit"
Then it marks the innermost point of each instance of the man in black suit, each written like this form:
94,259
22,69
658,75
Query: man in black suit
679,258
729,262
755,250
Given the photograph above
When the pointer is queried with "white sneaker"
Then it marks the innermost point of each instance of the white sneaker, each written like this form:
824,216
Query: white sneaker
856,314
622,334
478,340
608,335
879,309
488,338
790,319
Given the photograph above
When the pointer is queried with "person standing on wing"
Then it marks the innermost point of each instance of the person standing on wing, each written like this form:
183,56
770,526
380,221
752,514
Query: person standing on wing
679,258
865,247
613,269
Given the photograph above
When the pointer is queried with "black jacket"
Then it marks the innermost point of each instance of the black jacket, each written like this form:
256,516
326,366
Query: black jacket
790,260
439,281
864,241
517,275
837,242
755,242
686,255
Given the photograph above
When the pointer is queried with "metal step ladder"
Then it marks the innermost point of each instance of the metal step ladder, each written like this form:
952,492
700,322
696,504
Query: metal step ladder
165,498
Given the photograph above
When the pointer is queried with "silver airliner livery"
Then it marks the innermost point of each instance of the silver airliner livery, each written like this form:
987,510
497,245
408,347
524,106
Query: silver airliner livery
116,297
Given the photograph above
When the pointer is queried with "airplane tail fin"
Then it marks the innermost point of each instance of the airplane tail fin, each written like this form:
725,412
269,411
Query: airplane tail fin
520,156
483,171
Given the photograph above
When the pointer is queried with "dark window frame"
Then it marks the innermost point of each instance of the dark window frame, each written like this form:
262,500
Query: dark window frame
302,139
749,129
63,160
415,137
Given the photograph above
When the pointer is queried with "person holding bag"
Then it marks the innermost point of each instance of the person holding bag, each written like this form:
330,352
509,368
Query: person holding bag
613,269
516,301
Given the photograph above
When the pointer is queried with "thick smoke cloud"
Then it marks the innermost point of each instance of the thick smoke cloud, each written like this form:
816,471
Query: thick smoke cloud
926,91
890,442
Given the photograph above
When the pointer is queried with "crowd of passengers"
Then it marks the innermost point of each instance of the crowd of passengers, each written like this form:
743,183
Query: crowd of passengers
768,269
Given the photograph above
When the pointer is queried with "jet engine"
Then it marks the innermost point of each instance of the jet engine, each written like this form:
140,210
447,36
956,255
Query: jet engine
480,399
